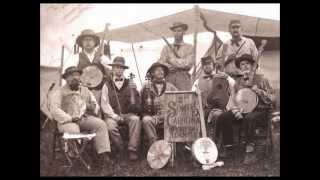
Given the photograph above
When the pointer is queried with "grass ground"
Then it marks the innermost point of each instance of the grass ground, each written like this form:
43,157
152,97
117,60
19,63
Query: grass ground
183,165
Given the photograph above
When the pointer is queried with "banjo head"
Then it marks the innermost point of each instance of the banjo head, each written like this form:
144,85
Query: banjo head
205,150
246,99
74,105
91,76
159,154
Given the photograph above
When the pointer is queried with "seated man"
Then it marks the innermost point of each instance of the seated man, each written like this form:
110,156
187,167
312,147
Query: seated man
153,91
115,104
87,122
263,90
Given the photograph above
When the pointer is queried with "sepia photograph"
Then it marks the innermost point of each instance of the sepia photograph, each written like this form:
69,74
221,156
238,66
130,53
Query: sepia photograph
160,89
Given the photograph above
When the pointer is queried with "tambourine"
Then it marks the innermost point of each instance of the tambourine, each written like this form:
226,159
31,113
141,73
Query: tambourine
205,151
159,154
74,105
246,99
91,76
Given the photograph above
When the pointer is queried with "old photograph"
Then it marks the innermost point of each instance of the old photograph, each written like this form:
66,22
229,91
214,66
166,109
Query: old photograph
160,89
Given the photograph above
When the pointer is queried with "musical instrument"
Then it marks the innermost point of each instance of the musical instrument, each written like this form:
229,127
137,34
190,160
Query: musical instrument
204,149
159,154
132,90
93,75
246,98
148,97
220,92
74,105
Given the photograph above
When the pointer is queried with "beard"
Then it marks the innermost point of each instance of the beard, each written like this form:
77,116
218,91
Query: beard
75,85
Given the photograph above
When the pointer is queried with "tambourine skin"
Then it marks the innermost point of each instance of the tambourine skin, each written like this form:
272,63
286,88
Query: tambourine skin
74,105
246,99
159,154
205,151
92,76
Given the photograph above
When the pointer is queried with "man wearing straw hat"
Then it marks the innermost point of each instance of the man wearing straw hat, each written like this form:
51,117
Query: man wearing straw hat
89,55
179,58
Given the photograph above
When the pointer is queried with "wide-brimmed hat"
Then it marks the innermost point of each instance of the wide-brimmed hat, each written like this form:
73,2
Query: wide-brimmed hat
179,24
119,61
157,64
244,57
71,70
85,33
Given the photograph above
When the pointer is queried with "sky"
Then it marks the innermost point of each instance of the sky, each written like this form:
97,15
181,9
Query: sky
58,28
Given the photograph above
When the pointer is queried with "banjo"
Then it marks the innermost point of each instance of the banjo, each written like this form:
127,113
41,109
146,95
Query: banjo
204,149
93,75
246,99
74,105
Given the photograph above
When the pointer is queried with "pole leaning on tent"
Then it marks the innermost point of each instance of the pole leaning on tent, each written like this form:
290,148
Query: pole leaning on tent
61,65
197,16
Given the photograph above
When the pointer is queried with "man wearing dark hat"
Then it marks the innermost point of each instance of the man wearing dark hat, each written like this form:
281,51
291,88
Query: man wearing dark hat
263,90
89,55
115,104
153,116
179,58
235,47
88,122
204,83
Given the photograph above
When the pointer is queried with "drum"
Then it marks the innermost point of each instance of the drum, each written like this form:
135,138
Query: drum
246,99
159,154
74,105
205,151
91,76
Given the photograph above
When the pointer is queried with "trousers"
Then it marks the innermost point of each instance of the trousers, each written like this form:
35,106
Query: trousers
134,124
93,125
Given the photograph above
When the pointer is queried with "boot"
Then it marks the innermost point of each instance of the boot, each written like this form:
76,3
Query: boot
106,165
133,156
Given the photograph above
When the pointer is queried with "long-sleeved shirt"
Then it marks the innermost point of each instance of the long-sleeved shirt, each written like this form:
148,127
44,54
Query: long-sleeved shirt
57,97
205,87
157,96
263,84
185,62
109,104
229,48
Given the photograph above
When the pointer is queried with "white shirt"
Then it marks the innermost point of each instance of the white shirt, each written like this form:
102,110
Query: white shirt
74,60
118,84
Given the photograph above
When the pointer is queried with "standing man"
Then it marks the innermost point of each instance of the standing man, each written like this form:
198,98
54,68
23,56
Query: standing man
88,122
179,58
153,116
235,47
263,90
115,104
89,55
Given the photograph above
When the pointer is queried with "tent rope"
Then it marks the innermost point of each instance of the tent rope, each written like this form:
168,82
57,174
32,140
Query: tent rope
135,59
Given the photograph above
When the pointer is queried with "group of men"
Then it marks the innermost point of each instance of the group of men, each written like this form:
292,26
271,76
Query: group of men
108,106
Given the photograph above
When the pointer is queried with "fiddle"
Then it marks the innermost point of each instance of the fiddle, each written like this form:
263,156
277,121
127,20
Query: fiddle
148,97
132,89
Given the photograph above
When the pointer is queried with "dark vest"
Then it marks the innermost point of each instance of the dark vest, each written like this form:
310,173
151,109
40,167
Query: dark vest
124,97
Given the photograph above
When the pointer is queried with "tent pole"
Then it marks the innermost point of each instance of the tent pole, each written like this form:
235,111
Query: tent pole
197,15
61,65
135,59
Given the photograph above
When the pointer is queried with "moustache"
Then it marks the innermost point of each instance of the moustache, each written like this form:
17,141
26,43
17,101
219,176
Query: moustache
75,84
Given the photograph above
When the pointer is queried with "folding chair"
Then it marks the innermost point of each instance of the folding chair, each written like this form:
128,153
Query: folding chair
72,146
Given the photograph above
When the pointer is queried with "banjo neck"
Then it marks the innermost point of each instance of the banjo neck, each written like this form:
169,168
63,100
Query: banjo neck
202,122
